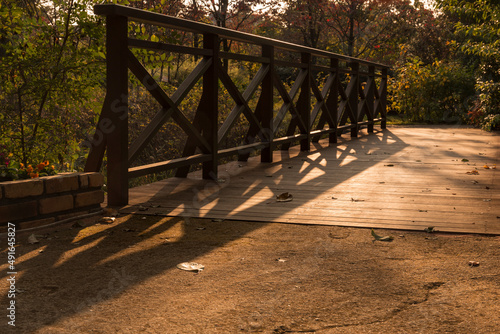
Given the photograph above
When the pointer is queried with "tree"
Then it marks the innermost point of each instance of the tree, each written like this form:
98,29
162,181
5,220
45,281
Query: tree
477,34
50,63
362,27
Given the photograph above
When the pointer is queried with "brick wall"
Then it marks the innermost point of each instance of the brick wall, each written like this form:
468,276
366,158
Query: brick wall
46,200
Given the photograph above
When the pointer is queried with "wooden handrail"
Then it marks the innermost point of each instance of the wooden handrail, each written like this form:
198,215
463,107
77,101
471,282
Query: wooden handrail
143,16
329,107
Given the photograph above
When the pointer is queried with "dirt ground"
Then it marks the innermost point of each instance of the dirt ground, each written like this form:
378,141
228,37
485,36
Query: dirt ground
258,278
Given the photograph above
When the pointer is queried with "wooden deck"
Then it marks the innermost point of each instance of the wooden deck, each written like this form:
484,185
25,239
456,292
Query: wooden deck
401,178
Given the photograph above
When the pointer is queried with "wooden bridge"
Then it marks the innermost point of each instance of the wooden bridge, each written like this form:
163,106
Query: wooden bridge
403,178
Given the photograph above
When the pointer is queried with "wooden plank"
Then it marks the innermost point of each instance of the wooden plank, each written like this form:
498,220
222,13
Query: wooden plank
427,186
167,165
160,46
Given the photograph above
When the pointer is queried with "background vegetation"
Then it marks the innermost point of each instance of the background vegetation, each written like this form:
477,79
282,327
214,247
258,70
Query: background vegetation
445,59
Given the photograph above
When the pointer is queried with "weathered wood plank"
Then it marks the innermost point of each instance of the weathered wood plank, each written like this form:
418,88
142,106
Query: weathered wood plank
427,185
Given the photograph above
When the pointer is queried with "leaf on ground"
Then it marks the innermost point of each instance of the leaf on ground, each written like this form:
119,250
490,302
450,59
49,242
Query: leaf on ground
472,172
110,212
465,160
381,238
191,266
284,197
107,220
32,239
486,167
389,165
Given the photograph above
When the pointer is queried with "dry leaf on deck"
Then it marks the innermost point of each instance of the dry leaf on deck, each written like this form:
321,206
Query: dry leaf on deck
284,197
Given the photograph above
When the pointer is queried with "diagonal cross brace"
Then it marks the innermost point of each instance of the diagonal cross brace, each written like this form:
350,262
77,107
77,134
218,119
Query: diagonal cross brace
241,101
288,101
169,105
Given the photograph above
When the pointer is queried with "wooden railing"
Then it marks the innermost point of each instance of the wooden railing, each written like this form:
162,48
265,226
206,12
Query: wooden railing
353,94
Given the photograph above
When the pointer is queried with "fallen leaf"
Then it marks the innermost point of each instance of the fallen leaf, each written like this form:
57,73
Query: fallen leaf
473,172
429,229
357,200
107,220
284,197
486,167
389,165
465,160
473,263
380,238
191,266
32,239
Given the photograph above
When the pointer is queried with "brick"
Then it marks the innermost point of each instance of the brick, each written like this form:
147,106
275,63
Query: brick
55,204
61,183
17,211
89,198
96,180
23,188
84,180
36,223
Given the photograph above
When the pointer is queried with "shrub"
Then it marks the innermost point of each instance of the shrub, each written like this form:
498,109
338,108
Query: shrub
435,93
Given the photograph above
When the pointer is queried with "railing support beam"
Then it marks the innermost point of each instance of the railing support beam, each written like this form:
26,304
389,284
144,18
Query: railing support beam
304,103
210,108
117,110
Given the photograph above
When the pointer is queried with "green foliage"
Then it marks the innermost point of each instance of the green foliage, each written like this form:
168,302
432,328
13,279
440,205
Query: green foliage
50,69
434,93
477,35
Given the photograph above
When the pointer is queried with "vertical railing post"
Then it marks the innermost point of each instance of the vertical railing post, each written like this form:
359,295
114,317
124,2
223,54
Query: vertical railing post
383,99
370,96
354,98
304,103
267,96
333,99
210,121
117,113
